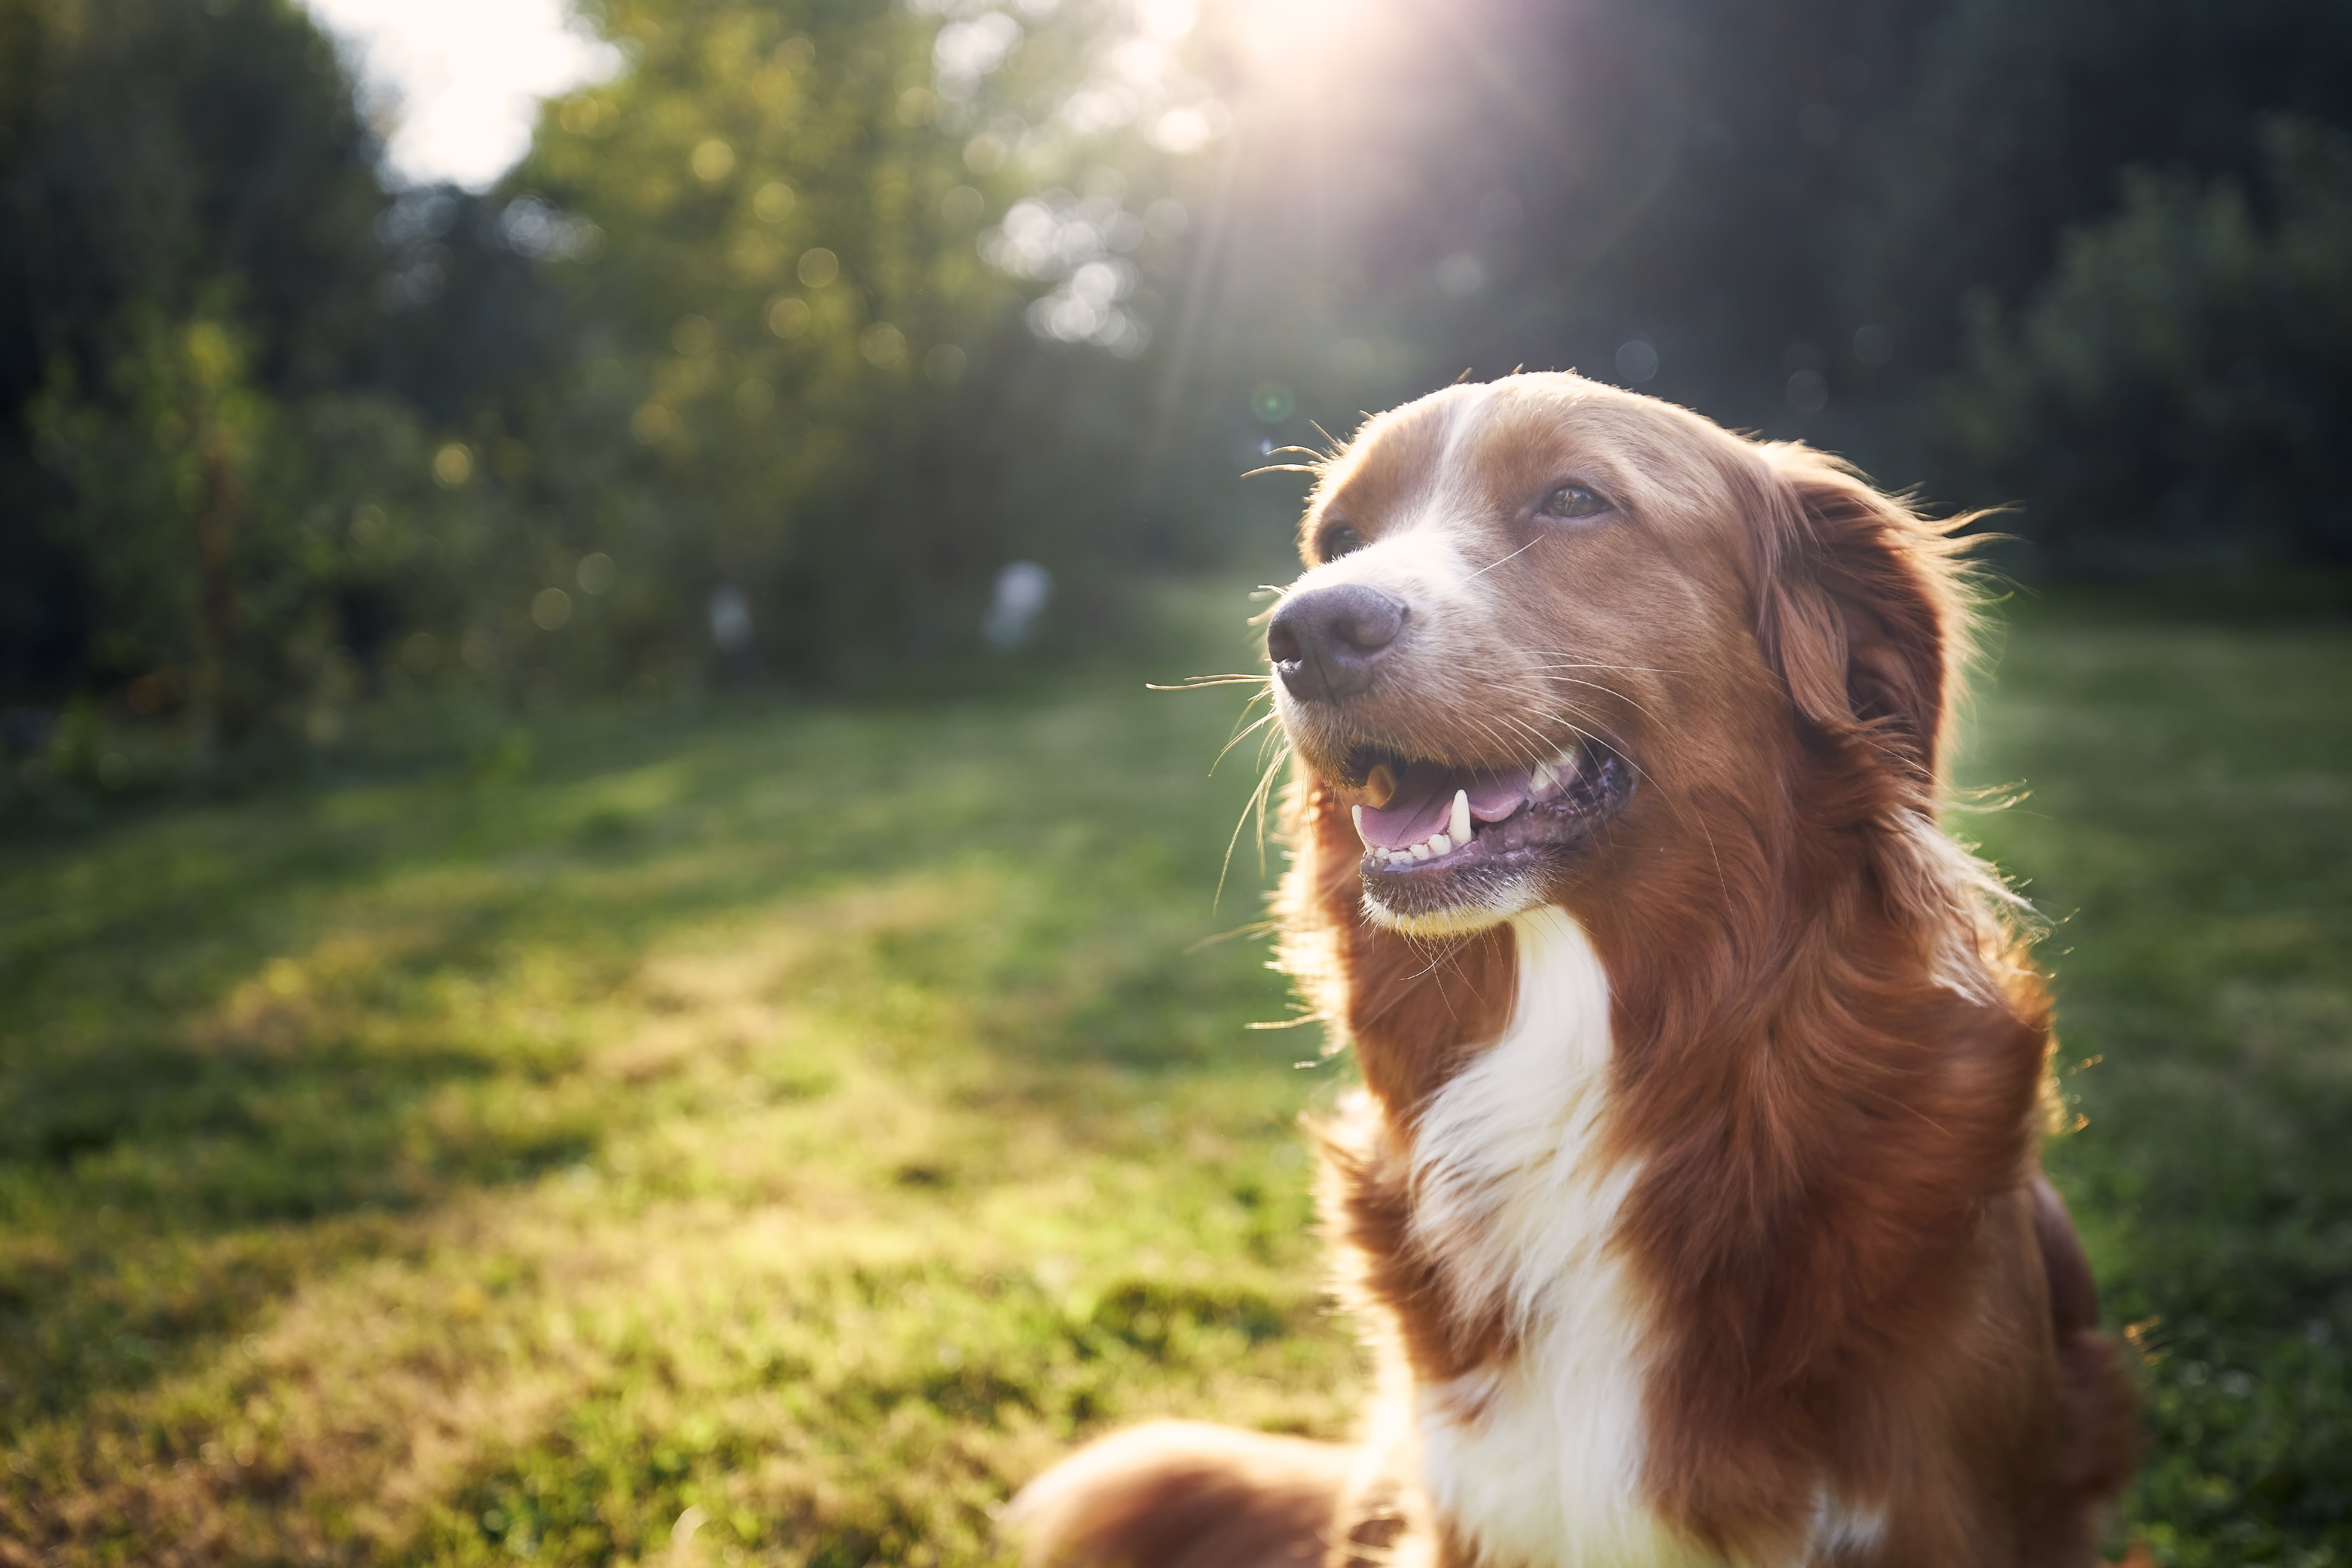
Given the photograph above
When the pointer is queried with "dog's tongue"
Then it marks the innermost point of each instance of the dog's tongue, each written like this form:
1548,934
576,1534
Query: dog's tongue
1425,799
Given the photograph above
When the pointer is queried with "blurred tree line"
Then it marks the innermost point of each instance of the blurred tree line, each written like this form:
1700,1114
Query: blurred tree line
797,331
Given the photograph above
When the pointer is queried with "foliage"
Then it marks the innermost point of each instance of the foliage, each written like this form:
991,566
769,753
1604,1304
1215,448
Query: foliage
841,307
157,161
2177,388
249,542
2019,119
798,355
783,1128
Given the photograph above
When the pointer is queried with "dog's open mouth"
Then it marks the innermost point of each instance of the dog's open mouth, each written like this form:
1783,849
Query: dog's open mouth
1439,832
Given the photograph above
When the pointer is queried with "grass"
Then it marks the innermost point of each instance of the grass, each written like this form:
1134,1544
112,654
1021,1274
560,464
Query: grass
2188,830
769,1134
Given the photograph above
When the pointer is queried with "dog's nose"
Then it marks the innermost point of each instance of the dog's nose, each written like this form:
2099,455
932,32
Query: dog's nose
1325,643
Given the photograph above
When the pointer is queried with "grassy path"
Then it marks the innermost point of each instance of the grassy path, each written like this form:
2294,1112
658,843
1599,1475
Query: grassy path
767,1136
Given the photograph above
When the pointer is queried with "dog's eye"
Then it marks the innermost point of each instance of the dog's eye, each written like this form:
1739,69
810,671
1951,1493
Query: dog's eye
1336,541
1574,501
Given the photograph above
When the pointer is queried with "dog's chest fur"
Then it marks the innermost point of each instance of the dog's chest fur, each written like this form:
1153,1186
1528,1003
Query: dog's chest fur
1535,1462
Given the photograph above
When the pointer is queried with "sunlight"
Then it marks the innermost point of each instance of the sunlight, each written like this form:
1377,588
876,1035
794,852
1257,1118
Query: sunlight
460,82
1295,38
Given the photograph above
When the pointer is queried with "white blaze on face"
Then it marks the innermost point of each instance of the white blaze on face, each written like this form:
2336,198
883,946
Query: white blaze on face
1538,1460
1422,563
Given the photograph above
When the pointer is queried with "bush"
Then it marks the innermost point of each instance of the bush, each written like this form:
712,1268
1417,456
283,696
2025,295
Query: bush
2175,394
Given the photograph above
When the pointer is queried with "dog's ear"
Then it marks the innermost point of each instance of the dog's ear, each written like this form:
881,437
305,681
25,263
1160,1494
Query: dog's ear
1859,608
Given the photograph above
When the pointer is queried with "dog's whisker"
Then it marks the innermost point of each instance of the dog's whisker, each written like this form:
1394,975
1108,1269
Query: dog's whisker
1568,656
1241,735
1256,803
1597,686
1512,557
1588,664
1202,683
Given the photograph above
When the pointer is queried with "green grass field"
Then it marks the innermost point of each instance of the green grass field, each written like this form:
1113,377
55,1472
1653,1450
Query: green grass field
768,1134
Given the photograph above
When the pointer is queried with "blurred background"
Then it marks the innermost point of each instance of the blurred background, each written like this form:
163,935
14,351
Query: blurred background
603,956
338,367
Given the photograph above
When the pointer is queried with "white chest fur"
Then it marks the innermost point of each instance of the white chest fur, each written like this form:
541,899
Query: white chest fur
1538,1461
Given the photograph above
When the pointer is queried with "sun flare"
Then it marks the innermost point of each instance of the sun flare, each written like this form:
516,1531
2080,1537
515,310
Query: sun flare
1294,42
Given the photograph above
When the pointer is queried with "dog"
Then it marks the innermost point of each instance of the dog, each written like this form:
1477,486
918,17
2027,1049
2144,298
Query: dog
1691,1205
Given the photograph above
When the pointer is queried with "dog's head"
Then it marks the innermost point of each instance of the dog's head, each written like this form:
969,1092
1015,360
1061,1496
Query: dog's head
1542,613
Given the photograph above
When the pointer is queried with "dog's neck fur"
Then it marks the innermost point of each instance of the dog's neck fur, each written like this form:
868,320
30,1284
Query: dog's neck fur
1649,1177
1538,1457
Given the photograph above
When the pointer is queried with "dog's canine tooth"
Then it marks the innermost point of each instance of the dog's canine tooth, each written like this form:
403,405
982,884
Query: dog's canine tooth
1358,813
1457,827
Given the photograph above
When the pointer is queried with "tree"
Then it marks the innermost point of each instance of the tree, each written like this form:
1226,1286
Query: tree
2176,392
157,161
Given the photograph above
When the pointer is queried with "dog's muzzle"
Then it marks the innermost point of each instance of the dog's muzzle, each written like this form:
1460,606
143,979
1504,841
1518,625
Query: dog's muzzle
1327,643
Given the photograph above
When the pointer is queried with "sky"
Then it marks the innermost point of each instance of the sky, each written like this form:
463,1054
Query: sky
462,80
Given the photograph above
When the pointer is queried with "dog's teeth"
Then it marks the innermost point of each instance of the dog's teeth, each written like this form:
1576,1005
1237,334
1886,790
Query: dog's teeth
1541,778
1358,813
1565,766
1421,851
1439,843
1458,828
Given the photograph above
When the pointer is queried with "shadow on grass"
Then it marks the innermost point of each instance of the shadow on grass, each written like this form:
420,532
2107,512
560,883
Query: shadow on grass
251,1041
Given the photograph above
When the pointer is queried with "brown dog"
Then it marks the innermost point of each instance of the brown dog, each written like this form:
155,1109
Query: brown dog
1692,1202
